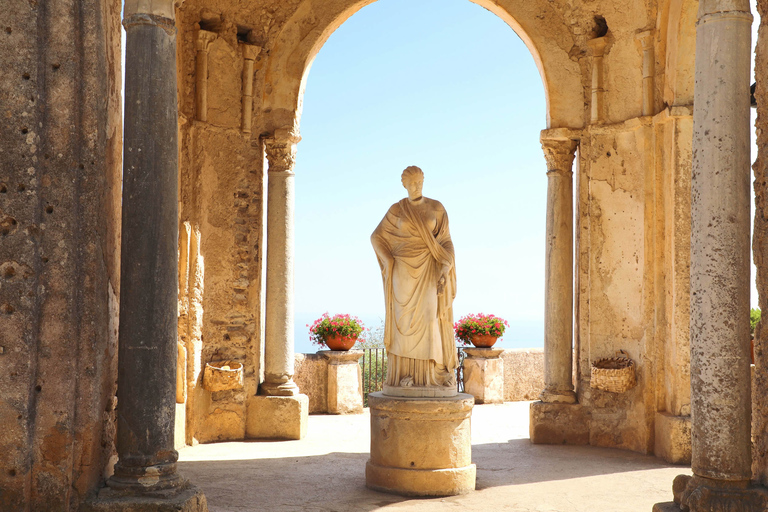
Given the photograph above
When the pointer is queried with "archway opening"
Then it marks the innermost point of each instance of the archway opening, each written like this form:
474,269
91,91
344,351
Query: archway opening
456,93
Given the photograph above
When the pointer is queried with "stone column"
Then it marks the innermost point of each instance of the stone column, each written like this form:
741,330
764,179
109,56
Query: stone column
278,336
204,40
720,252
250,52
558,314
649,70
147,345
597,46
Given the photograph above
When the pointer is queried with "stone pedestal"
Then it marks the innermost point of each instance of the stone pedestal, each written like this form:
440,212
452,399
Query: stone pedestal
277,417
673,438
188,499
558,424
420,446
345,387
484,375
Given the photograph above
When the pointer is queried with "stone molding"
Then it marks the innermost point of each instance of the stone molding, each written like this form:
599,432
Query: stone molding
162,8
483,353
342,356
163,22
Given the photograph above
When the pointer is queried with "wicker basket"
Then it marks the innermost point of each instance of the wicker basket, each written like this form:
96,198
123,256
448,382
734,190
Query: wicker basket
223,375
614,374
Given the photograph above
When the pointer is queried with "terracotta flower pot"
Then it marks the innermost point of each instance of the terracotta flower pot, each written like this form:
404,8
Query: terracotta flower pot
337,342
484,340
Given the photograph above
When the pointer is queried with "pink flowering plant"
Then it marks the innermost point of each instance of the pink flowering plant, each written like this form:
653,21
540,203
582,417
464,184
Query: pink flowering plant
479,325
345,326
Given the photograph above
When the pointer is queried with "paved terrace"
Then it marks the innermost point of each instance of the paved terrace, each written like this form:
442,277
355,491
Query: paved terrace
326,471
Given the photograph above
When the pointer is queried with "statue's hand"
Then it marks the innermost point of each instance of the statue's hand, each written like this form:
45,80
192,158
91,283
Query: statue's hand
441,285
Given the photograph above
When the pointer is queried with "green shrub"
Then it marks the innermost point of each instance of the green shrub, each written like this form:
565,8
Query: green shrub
754,317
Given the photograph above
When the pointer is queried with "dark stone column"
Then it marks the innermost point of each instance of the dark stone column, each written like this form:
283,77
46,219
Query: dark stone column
148,291
145,475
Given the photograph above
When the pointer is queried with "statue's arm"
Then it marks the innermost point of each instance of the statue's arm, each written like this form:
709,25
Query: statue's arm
379,242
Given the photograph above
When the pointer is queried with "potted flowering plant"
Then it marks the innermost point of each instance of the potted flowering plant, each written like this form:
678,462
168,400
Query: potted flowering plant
337,332
481,330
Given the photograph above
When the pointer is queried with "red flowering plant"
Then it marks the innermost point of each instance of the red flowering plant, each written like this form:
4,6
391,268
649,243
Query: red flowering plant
344,326
479,325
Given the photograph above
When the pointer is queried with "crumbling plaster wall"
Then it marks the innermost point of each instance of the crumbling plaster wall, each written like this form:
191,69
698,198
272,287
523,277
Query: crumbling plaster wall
60,145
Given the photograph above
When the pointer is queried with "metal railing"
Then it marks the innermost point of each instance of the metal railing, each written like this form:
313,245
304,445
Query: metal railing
373,366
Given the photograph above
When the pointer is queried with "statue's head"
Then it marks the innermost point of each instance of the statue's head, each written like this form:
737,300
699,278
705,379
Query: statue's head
411,174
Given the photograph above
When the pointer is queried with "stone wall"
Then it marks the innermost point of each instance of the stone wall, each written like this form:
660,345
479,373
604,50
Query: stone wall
60,154
221,217
523,374
523,377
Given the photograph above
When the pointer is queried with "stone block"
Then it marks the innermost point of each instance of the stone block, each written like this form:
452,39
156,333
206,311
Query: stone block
311,375
484,375
345,393
190,499
673,438
558,424
277,417
421,446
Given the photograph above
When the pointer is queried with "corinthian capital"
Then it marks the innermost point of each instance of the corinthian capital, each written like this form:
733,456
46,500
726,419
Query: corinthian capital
281,150
558,151
204,39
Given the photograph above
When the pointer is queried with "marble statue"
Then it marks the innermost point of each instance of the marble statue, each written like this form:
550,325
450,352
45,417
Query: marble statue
416,256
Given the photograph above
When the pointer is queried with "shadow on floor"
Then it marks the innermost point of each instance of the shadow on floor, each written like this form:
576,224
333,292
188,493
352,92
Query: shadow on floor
336,481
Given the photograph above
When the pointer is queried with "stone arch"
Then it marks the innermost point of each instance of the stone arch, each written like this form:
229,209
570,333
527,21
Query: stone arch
540,27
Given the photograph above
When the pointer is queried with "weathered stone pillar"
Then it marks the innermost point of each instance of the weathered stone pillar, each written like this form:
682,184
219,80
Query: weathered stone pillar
204,40
345,386
278,336
558,315
280,411
250,52
597,111
484,374
649,70
145,473
720,196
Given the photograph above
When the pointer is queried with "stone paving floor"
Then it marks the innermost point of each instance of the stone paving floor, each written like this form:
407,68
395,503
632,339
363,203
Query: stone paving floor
326,471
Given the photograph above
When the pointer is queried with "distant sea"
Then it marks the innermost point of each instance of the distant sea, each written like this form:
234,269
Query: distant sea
520,334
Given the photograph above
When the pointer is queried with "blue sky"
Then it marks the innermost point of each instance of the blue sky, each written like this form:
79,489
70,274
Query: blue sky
457,93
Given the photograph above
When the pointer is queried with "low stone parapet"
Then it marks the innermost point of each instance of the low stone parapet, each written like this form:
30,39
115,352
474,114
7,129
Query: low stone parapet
523,377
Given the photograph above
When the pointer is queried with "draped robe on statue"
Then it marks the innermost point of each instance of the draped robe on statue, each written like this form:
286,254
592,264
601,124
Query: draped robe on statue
412,244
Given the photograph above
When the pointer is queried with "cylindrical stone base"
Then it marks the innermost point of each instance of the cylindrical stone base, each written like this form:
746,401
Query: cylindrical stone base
421,446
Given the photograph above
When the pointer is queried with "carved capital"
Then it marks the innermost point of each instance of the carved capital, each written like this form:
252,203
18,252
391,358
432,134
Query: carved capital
281,150
645,40
559,153
597,46
204,40
251,51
